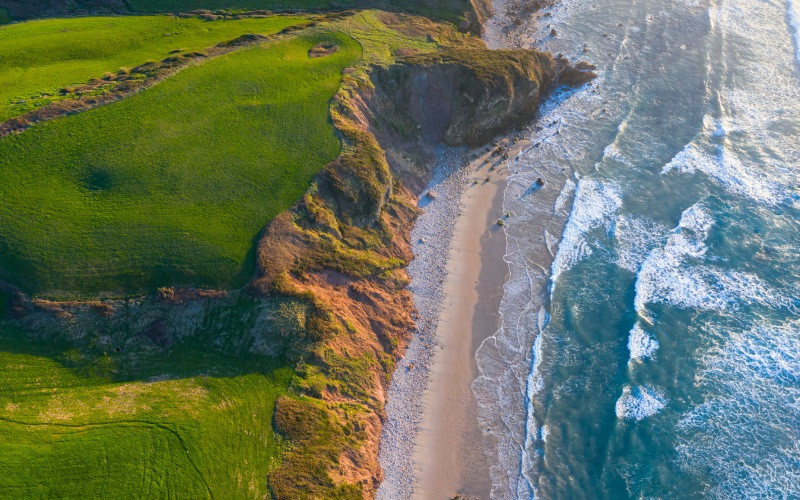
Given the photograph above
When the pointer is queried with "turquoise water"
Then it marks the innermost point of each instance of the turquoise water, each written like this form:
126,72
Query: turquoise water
666,362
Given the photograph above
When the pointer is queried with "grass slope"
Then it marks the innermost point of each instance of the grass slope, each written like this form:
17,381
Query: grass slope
170,186
450,10
42,57
77,422
189,5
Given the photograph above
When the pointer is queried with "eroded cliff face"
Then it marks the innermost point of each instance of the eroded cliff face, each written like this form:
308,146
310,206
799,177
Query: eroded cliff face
330,290
460,96
345,246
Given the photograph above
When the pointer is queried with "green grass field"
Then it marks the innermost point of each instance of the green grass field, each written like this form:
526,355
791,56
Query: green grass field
188,5
194,420
173,185
450,10
42,57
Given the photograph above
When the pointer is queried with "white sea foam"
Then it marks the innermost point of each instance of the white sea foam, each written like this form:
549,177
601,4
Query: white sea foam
532,434
637,403
748,149
794,21
564,195
717,127
613,152
634,239
542,319
676,274
744,436
551,241
726,169
595,202
641,344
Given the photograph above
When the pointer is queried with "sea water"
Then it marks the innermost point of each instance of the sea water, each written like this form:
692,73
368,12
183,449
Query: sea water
664,361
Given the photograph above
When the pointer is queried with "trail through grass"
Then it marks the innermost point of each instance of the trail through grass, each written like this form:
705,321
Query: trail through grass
173,185
42,57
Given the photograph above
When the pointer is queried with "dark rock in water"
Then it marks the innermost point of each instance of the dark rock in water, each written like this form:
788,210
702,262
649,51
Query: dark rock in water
539,182
553,32
574,76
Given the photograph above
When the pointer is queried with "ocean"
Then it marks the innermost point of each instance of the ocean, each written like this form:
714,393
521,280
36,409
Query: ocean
658,354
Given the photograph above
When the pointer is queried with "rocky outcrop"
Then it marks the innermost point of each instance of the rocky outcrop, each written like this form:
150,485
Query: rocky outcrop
480,12
574,75
457,97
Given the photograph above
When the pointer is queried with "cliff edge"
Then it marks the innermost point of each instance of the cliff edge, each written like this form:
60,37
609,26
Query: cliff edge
329,294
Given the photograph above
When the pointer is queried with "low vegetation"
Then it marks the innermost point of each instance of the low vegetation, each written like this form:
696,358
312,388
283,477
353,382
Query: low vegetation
170,186
451,10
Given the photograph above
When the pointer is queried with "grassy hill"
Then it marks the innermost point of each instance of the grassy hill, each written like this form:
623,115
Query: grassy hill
189,5
449,10
39,58
79,419
171,186
269,390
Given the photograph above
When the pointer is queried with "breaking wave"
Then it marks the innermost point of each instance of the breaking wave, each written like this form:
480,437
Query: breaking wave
677,274
641,345
728,170
595,202
794,22
638,403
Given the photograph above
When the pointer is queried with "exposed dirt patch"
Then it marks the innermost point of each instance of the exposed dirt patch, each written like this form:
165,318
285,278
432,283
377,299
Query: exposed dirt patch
323,49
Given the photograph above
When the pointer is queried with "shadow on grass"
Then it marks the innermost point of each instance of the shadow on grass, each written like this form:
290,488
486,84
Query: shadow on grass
213,338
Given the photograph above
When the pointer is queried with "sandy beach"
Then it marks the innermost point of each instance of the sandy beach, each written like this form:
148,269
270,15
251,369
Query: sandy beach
449,457
432,445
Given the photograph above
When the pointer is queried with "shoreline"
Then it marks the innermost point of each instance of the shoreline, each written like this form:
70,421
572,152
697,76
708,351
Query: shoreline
437,440
449,456
457,279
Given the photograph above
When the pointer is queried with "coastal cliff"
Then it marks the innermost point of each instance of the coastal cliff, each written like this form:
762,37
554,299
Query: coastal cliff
346,245
329,296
